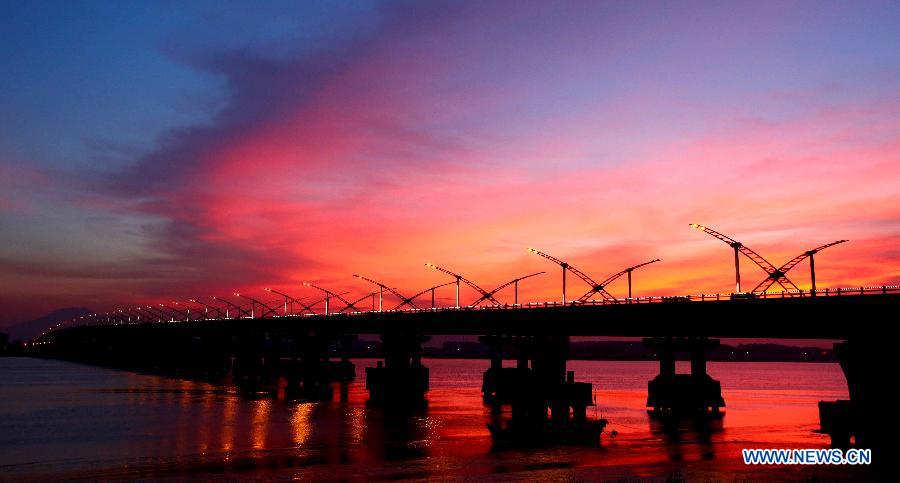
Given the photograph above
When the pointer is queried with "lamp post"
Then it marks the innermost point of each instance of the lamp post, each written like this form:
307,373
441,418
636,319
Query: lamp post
207,307
287,299
253,304
328,295
228,306
737,266
381,288
562,264
457,276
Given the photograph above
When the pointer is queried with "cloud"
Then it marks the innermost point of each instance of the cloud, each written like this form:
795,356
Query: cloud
439,133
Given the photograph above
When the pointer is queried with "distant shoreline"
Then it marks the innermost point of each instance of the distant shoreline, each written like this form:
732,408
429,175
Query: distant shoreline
582,351
684,359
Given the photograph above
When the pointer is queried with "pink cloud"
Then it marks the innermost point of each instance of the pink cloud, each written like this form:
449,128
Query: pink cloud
379,155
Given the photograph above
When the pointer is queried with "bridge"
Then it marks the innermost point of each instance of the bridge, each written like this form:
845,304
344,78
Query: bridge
823,314
307,340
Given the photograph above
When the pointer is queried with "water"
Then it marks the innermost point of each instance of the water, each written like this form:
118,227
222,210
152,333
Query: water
65,420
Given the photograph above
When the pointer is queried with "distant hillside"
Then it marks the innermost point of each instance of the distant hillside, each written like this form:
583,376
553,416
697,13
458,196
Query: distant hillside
32,328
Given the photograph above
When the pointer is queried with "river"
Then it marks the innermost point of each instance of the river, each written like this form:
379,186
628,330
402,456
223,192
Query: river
67,420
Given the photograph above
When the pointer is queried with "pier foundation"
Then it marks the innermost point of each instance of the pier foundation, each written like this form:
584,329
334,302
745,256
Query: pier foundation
861,421
311,369
255,364
694,393
401,377
545,402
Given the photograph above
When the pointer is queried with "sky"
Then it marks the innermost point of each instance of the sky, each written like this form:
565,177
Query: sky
159,151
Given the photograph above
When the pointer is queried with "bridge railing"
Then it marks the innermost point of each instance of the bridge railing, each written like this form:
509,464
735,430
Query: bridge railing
114,318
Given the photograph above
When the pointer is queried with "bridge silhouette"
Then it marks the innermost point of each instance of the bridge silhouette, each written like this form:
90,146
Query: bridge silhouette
299,338
288,305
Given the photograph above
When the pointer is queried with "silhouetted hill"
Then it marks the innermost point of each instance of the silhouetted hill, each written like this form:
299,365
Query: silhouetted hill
32,328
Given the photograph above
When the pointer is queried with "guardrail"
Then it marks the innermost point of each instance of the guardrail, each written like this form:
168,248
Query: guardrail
117,318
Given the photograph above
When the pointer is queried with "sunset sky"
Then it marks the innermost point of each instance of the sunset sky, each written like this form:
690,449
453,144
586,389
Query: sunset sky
154,151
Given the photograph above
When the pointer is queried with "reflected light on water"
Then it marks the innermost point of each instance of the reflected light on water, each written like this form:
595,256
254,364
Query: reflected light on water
207,423
301,426
151,427
260,429
357,424
229,413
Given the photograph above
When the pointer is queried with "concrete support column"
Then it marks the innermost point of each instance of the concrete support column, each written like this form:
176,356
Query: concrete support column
311,369
545,403
694,393
401,379
863,359
666,364
698,362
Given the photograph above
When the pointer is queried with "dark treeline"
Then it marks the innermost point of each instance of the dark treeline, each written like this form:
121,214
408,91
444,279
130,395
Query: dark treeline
625,351
594,350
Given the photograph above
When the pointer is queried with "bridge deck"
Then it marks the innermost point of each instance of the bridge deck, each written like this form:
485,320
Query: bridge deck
790,318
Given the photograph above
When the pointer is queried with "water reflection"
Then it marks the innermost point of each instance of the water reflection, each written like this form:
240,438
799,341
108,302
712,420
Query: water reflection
397,433
145,426
229,417
682,434
208,425
301,424
260,423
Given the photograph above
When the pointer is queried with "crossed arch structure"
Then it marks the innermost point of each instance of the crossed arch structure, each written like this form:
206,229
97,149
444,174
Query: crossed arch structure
230,305
507,284
207,307
468,282
409,300
403,299
254,302
303,306
774,274
293,300
328,294
596,288
353,304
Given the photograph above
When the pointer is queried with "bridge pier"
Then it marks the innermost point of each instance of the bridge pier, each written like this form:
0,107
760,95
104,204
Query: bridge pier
310,370
401,377
207,358
863,418
500,383
538,385
672,393
254,367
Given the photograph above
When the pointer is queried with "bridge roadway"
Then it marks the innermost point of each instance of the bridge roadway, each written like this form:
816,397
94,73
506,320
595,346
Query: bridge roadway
253,350
788,318
836,317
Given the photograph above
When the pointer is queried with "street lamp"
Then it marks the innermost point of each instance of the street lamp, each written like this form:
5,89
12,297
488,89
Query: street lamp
381,288
286,299
448,272
328,294
207,307
253,303
564,265
229,305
